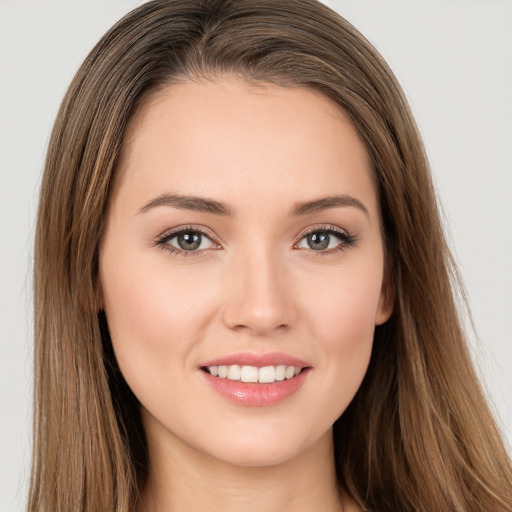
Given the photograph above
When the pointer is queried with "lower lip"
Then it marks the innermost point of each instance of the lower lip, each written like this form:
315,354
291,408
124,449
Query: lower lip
253,394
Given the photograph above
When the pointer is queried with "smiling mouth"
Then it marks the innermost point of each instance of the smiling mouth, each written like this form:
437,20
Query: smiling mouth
254,374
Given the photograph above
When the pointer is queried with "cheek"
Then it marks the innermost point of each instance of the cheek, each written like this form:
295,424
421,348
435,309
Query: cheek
344,306
154,317
342,320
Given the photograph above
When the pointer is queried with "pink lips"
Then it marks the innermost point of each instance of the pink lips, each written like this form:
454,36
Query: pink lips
255,394
253,359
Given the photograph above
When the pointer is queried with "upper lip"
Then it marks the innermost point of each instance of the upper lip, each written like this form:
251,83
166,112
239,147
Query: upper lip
255,359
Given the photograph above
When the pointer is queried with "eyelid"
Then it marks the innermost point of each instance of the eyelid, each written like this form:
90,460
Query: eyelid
346,239
321,227
161,240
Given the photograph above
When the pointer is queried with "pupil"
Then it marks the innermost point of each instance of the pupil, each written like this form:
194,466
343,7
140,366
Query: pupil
318,241
189,241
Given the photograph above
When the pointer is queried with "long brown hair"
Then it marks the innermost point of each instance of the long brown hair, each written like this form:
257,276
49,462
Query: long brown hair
418,435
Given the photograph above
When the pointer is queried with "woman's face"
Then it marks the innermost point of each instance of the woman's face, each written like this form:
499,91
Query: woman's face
243,238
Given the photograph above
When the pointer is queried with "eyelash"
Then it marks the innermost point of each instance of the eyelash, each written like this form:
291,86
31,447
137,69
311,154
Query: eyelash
346,240
162,241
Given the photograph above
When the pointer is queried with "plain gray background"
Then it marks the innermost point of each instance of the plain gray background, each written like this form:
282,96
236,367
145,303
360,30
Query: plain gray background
454,60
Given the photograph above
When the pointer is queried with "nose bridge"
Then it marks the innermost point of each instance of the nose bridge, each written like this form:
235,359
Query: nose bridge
258,297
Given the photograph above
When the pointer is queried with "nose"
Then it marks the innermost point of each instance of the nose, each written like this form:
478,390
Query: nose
258,295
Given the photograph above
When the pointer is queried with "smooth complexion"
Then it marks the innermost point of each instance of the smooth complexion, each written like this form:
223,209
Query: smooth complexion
248,280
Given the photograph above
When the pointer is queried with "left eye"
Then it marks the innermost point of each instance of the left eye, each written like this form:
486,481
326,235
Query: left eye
321,240
189,241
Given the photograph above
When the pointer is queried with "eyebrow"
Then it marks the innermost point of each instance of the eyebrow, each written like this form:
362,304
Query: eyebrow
186,202
326,203
206,205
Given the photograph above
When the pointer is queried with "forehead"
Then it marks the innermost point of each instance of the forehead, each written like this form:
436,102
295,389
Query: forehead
228,138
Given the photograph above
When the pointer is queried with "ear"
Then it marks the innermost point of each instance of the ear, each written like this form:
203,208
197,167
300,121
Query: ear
386,301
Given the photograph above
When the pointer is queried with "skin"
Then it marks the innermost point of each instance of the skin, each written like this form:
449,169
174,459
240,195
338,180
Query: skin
257,286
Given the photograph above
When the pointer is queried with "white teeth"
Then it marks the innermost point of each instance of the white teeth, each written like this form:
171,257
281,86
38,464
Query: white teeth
234,372
267,374
249,374
289,372
280,372
263,375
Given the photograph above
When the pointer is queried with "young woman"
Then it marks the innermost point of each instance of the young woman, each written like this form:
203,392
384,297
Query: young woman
243,295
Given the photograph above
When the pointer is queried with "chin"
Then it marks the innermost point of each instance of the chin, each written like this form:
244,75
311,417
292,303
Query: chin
257,456
265,450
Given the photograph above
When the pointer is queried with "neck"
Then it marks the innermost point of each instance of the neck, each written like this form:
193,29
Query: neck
182,479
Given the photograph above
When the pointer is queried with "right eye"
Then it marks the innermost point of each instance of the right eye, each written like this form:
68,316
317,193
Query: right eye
186,242
190,241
